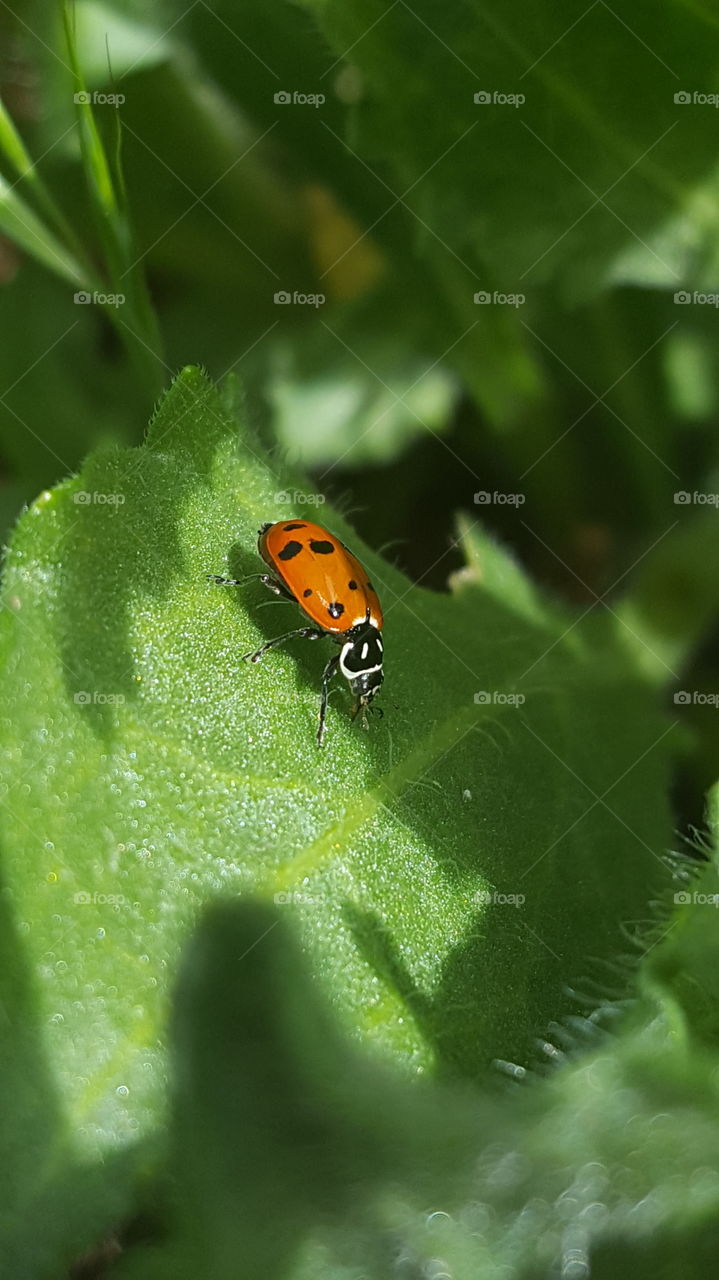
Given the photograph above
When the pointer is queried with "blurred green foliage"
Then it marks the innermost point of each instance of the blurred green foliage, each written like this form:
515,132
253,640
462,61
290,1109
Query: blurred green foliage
234,197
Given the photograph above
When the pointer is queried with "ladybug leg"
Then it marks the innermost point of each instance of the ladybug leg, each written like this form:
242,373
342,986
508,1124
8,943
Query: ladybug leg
265,578
309,633
273,584
361,710
327,675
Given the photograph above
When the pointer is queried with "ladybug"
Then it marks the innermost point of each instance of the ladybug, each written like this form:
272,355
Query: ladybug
313,568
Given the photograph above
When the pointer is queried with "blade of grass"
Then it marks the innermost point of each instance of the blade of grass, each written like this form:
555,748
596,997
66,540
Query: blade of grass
13,147
101,186
19,160
26,229
139,332
133,275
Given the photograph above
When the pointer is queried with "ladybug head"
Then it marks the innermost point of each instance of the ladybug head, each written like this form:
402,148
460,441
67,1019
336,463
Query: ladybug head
361,663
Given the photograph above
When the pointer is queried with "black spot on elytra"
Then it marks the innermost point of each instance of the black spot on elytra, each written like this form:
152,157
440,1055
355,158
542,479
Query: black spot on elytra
287,528
352,584
322,548
290,550
307,592
335,610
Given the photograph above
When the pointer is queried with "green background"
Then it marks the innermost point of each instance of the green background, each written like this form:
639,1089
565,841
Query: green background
280,1013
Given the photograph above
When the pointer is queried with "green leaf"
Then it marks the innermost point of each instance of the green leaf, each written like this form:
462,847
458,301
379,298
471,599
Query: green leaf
491,567
592,193
613,1157
596,180
331,405
674,599
683,973
42,1178
279,1116
454,874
